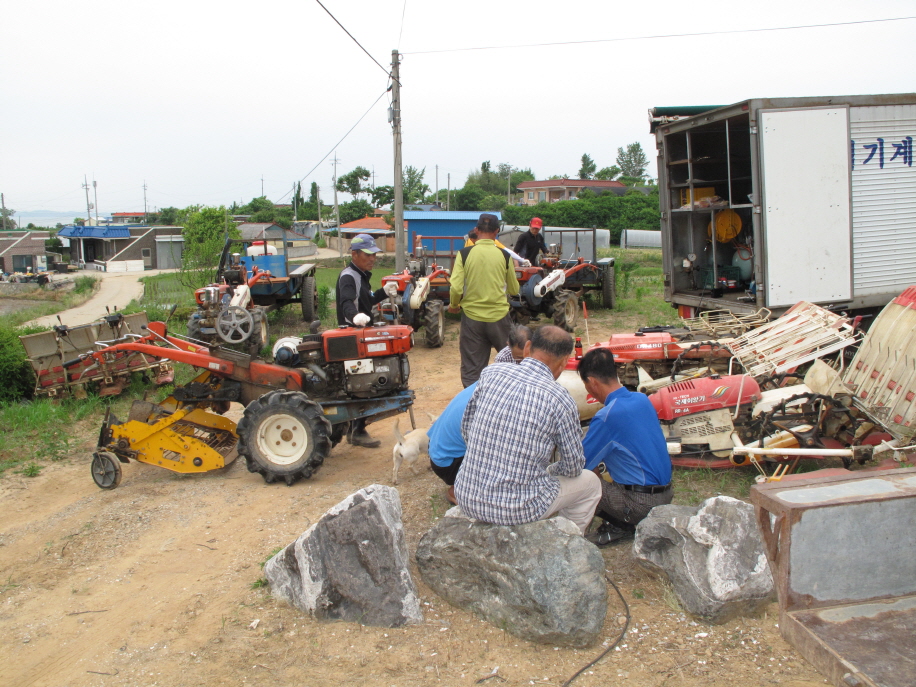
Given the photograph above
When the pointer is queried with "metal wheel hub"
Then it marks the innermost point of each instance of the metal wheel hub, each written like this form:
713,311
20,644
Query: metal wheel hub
234,324
283,439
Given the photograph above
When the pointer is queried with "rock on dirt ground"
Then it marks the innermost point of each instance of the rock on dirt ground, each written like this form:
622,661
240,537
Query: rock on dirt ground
157,582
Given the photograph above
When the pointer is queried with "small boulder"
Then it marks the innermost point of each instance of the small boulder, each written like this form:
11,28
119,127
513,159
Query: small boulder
540,581
713,556
352,564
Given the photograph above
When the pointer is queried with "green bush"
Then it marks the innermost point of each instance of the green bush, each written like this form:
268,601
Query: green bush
85,284
324,300
17,380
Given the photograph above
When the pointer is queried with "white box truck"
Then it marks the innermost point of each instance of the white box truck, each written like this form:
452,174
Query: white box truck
768,202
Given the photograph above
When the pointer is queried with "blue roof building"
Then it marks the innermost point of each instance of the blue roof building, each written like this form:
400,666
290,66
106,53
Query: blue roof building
444,223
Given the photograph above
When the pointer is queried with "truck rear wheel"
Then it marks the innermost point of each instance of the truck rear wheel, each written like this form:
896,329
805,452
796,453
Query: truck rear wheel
566,310
309,299
609,289
284,435
434,323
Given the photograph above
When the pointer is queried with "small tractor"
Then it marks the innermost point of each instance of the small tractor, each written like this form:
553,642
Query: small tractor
422,298
554,286
296,409
233,310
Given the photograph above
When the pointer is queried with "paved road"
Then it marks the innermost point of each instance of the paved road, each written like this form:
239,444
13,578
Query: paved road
116,291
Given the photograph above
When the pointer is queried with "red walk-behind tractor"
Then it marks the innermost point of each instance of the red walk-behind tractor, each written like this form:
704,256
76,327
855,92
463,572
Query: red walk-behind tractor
296,409
421,299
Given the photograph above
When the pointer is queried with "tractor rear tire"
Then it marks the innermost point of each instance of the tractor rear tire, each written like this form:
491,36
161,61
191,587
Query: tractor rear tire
284,436
434,323
609,289
260,335
309,300
566,310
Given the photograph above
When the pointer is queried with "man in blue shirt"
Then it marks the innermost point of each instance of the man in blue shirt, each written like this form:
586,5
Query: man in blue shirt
446,445
624,436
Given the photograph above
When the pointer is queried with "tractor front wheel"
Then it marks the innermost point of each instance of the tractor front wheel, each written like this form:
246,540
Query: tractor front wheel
284,435
434,323
566,310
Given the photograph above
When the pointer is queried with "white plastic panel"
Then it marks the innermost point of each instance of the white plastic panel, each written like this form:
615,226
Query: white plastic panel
805,161
883,198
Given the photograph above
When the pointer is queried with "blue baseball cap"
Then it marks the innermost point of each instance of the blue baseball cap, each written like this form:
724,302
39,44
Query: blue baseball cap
365,243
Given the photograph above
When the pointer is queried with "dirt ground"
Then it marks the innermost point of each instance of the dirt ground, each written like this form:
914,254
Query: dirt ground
156,583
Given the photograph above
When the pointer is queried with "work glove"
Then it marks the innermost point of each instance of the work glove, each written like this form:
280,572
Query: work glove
361,319
391,289
526,263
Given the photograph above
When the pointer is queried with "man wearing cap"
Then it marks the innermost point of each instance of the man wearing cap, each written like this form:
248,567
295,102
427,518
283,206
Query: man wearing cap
531,243
355,299
482,276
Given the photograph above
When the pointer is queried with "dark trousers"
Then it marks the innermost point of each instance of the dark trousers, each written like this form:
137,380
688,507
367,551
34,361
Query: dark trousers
624,508
475,342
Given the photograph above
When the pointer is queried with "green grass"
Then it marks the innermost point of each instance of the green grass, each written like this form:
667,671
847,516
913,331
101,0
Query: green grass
640,288
49,302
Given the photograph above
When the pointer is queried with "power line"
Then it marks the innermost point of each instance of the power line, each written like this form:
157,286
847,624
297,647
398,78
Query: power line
664,35
338,142
351,36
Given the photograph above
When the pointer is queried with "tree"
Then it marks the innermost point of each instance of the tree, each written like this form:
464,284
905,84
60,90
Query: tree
313,194
204,237
382,195
352,182
607,173
6,218
632,161
355,209
414,190
587,170
298,201
469,198
169,217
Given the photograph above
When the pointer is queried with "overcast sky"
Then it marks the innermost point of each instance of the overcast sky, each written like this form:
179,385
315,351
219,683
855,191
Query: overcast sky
202,99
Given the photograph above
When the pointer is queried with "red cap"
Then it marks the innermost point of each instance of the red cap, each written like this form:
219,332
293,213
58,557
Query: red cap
536,222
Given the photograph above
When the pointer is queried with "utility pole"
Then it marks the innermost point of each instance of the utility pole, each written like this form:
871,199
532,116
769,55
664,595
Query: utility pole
262,186
295,216
145,218
3,205
88,204
95,193
448,195
337,210
437,183
509,188
394,116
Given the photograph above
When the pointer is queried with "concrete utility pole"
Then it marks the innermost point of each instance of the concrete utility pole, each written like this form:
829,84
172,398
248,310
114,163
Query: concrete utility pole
437,183
3,205
394,116
337,211
262,186
448,193
95,193
145,218
295,216
88,204
509,188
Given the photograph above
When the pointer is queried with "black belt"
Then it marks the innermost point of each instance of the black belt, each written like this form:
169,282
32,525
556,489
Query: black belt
646,490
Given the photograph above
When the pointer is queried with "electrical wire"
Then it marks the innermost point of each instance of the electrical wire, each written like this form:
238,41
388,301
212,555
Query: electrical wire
401,32
664,35
351,36
283,197
604,653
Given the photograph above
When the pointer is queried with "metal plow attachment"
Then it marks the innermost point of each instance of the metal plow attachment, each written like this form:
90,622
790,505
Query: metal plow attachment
49,351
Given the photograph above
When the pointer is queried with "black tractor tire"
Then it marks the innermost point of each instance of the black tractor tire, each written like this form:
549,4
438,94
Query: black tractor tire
284,436
260,335
609,289
194,328
309,300
566,310
434,323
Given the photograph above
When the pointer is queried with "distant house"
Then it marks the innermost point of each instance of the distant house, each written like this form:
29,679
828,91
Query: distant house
375,227
125,249
22,251
453,223
128,217
552,190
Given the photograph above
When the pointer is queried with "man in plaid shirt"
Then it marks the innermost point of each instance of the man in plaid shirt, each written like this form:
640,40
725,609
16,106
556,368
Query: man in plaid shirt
516,418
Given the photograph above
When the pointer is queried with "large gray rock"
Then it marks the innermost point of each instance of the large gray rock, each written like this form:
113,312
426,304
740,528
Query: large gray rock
352,564
713,555
540,581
